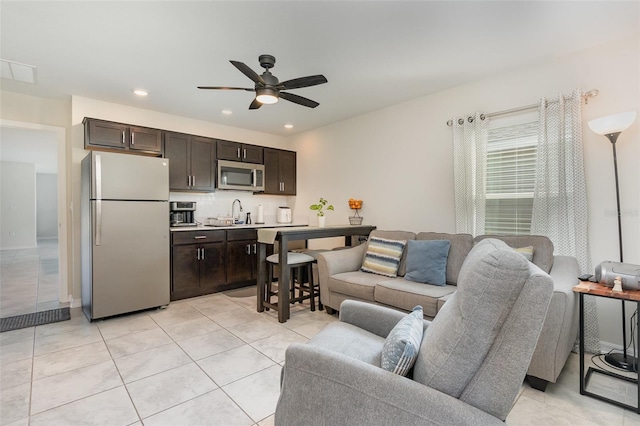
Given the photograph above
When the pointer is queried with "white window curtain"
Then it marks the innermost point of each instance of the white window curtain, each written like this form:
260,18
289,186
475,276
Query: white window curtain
560,196
470,158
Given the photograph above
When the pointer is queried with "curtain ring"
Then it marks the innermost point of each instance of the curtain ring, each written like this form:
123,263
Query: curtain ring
482,117
470,119
461,121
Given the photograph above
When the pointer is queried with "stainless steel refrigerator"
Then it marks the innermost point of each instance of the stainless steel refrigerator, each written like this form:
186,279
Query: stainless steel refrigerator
125,233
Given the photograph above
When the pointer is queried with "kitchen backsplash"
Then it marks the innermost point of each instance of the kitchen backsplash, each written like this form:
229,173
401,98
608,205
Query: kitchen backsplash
218,204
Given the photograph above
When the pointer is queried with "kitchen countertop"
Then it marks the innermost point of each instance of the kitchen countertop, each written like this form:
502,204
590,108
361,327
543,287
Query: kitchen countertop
242,226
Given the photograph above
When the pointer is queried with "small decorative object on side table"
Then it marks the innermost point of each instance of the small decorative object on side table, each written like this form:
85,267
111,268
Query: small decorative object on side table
597,289
356,205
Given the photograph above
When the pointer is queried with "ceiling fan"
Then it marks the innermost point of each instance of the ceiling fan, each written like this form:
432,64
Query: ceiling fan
268,88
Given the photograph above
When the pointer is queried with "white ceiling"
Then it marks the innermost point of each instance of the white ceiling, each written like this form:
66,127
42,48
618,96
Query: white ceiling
374,53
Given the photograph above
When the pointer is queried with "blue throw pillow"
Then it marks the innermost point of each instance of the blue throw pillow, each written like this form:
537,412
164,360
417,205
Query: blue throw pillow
401,348
427,261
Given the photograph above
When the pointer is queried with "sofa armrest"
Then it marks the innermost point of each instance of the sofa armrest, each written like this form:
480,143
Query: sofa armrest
321,387
560,327
339,261
375,319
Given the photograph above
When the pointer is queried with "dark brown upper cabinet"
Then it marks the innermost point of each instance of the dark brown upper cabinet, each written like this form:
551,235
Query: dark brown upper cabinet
279,171
235,151
101,134
192,162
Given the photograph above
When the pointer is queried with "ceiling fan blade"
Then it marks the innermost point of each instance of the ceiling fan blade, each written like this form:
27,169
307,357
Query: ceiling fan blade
297,83
255,104
244,69
226,88
298,100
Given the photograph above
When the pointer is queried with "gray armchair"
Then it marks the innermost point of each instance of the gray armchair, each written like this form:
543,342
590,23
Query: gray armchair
472,360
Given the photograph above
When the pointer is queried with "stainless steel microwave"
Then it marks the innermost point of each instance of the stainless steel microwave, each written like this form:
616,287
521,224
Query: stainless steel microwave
240,176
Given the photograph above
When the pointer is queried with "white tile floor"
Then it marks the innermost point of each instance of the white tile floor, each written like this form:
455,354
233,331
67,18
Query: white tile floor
207,360
29,279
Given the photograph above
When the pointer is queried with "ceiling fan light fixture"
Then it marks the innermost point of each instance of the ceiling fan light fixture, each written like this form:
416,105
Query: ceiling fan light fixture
267,96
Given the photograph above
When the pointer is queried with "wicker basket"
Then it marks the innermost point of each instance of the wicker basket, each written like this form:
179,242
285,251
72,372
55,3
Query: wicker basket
355,220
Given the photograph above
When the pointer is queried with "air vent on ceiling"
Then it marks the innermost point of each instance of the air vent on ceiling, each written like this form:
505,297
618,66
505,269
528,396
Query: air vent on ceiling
17,71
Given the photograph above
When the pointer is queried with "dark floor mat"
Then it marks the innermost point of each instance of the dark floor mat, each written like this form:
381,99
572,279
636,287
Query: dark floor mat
36,318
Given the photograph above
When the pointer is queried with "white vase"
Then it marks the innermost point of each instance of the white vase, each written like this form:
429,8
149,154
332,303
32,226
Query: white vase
321,221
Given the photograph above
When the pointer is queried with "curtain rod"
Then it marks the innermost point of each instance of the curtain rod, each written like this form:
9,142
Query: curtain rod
590,94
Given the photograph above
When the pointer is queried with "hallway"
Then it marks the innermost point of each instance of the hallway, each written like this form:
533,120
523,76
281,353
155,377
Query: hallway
29,280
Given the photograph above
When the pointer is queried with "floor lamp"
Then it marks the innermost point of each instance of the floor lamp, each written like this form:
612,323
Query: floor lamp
610,127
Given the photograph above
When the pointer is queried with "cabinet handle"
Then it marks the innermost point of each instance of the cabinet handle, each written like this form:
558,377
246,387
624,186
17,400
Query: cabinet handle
123,136
189,184
255,248
198,249
200,237
282,186
202,253
248,248
238,152
133,138
193,180
244,152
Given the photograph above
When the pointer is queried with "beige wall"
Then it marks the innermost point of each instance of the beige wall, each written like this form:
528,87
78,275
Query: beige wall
399,159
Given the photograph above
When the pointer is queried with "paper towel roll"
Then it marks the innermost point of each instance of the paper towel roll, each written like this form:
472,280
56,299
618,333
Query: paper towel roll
260,215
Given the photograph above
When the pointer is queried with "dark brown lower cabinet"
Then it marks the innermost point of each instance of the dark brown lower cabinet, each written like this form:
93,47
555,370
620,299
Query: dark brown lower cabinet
198,263
242,258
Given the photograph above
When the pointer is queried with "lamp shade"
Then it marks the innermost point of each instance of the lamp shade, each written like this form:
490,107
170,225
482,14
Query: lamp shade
612,123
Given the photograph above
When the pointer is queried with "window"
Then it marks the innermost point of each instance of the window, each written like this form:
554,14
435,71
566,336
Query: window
510,178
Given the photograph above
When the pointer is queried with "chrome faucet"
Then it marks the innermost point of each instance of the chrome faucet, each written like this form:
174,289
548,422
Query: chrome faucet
233,209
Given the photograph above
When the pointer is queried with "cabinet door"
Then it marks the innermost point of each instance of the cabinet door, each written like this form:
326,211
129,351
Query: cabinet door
287,163
176,149
203,164
252,154
212,267
106,134
145,139
240,261
228,150
271,171
185,272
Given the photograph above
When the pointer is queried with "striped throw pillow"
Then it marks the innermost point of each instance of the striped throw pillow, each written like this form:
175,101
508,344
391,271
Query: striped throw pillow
401,347
383,257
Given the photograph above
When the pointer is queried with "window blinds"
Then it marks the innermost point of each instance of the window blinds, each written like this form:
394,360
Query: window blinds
510,178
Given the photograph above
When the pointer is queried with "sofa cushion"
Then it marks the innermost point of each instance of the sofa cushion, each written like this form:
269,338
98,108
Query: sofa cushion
401,346
527,252
393,235
383,256
461,244
356,284
427,261
459,338
404,294
347,339
542,247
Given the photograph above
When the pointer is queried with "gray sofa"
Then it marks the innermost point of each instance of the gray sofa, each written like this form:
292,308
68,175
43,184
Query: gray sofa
469,367
341,279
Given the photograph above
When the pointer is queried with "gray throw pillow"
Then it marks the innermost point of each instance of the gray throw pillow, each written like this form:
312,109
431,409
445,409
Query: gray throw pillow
427,261
401,348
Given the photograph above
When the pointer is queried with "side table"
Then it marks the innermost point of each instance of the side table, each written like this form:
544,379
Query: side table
596,289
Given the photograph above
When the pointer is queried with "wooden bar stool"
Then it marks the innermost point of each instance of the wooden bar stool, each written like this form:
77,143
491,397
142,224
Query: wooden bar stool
313,253
298,263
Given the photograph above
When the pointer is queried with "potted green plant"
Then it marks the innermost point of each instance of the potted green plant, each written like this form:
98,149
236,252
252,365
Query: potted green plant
320,208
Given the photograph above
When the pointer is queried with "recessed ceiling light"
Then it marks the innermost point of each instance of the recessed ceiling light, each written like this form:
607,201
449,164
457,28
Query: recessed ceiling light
140,92
288,126
227,112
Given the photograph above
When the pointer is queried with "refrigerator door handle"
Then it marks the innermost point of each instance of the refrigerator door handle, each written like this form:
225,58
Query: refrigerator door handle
98,180
98,238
